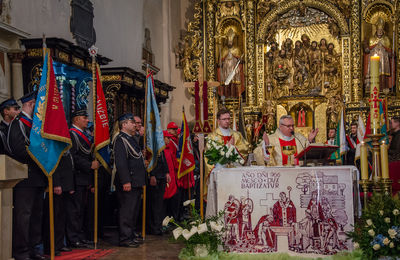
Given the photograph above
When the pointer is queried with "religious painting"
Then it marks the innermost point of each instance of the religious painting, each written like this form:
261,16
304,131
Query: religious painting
300,211
378,38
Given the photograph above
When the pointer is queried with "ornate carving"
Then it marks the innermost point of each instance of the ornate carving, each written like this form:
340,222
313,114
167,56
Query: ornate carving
110,77
291,4
34,52
356,51
63,56
346,76
251,57
78,61
260,74
128,80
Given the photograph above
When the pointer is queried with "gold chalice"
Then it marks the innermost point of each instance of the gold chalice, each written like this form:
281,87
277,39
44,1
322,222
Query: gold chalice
289,150
270,149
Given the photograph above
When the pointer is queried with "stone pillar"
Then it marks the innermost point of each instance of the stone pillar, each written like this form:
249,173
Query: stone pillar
166,113
11,172
17,83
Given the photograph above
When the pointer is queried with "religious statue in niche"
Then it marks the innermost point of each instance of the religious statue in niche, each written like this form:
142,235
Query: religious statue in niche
269,110
301,69
301,117
231,67
229,8
332,111
379,44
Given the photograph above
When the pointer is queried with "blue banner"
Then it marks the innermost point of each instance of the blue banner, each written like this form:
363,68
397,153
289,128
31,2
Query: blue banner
154,134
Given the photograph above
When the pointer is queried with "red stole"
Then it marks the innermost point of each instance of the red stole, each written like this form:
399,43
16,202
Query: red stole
284,156
226,139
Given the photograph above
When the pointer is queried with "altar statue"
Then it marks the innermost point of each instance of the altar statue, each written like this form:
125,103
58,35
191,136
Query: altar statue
379,44
301,69
282,75
230,57
315,67
332,71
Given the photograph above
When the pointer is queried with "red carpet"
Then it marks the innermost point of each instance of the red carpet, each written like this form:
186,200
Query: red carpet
79,254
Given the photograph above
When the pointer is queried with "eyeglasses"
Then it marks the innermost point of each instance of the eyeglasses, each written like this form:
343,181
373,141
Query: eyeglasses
288,126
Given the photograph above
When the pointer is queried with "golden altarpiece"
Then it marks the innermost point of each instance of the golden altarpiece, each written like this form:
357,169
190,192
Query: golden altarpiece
307,58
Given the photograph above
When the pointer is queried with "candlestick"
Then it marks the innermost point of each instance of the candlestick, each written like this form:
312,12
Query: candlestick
374,95
384,160
364,161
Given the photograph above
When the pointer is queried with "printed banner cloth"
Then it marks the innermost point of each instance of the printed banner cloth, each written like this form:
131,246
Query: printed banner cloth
300,210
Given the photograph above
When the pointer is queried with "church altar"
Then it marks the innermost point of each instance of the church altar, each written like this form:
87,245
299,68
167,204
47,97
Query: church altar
299,210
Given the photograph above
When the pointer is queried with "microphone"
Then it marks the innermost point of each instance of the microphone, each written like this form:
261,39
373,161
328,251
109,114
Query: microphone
305,153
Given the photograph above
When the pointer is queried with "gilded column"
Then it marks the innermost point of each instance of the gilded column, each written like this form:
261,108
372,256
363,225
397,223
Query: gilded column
346,79
250,50
260,74
356,93
17,84
209,46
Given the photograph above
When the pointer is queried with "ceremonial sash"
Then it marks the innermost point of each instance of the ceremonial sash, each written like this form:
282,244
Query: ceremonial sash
351,142
26,121
84,137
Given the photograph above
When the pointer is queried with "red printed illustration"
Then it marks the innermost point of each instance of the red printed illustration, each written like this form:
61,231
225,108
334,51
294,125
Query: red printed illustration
319,230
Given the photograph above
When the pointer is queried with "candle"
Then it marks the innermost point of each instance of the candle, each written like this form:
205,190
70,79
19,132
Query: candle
374,94
364,161
384,160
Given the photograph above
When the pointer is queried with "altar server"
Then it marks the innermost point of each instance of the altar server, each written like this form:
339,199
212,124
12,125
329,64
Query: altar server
225,135
283,136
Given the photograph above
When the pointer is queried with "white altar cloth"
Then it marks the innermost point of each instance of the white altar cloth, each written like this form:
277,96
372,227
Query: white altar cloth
300,210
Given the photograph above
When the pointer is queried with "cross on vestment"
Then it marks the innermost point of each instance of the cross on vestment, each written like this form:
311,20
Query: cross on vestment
212,84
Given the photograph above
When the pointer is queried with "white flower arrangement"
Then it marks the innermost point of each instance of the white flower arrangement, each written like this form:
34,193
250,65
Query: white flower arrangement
396,212
219,153
369,222
201,237
387,220
376,247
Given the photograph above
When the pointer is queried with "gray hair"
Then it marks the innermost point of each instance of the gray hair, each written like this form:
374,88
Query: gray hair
285,117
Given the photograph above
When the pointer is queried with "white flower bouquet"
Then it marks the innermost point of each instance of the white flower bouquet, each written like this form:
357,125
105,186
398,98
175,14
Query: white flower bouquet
201,237
377,234
218,153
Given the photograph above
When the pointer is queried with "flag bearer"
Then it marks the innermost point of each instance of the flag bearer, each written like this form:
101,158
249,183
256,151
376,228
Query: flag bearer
28,194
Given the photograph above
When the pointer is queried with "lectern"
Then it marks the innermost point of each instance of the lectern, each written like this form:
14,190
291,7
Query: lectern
319,154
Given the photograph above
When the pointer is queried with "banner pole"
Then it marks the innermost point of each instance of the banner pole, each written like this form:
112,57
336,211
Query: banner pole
145,151
51,216
93,53
201,150
144,213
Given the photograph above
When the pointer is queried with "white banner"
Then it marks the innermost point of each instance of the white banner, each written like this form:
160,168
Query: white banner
297,210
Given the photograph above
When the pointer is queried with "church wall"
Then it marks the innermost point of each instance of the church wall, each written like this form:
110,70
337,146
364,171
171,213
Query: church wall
38,17
180,96
119,27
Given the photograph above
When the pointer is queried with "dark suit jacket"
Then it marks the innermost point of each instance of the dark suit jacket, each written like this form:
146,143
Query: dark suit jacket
64,176
18,145
130,168
82,160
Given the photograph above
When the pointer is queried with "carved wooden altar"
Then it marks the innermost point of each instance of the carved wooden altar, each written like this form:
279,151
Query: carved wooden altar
322,69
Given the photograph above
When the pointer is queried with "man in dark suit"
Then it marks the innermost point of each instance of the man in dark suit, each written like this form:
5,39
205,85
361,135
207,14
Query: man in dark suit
28,194
84,166
129,179
9,109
